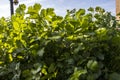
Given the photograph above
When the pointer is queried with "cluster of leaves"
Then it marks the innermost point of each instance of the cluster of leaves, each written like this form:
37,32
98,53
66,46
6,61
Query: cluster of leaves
40,45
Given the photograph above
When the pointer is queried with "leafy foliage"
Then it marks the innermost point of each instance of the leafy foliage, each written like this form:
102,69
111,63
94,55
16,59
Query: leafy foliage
40,45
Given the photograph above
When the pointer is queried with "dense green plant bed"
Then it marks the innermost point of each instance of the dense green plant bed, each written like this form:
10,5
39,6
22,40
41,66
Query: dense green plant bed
37,44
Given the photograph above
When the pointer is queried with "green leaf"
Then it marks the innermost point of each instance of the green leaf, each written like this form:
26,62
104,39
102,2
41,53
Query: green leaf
37,7
90,77
77,74
10,57
93,65
44,71
97,9
51,68
16,26
41,52
100,56
114,76
21,9
69,27
80,12
43,13
91,9
26,73
37,68
50,11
